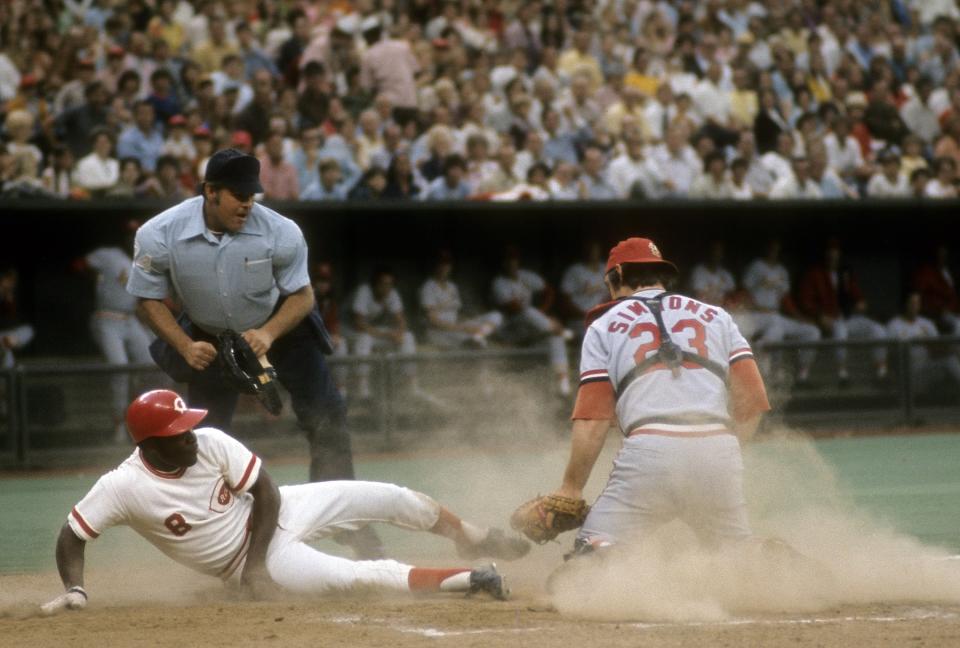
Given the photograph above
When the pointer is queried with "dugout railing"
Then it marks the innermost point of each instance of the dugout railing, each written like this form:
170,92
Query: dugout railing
59,413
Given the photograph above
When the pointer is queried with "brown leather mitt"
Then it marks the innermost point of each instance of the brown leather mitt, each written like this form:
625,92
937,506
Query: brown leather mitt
545,517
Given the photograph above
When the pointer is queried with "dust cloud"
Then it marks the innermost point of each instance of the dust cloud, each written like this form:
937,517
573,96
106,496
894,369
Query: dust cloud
845,556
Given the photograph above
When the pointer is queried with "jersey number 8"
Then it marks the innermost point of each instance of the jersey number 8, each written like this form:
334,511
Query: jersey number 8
177,525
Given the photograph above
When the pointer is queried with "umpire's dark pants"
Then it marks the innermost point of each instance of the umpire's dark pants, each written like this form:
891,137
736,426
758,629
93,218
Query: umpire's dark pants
301,368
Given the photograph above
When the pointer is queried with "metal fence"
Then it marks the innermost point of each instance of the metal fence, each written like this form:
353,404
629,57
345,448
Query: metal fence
63,410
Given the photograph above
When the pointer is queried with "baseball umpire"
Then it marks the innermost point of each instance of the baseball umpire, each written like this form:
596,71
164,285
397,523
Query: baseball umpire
235,265
206,501
681,382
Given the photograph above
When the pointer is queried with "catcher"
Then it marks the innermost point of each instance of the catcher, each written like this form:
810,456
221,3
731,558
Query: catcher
680,381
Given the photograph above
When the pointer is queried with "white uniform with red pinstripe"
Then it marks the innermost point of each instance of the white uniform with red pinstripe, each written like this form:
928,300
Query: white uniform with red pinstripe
680,458
199,517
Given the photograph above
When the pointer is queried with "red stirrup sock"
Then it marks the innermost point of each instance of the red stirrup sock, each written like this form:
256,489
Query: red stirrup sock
424,579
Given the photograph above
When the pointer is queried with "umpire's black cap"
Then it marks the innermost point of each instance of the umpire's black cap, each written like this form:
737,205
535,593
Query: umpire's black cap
238,172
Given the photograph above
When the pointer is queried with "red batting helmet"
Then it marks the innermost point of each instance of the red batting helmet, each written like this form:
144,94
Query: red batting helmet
160,413
637,250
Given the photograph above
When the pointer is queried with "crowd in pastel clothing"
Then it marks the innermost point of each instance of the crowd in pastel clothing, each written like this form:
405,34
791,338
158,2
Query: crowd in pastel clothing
497,100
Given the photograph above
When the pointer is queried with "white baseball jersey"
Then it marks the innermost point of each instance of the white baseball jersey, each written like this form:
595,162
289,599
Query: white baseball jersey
903,329
716,283
198,516
693,402
767,284
506,289
112,266
584,285
376,312
442,299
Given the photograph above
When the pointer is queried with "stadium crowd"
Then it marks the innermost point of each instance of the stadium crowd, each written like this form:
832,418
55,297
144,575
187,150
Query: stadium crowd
483,99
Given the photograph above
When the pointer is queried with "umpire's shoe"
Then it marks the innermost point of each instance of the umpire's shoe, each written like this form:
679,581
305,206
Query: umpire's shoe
496,544
488,579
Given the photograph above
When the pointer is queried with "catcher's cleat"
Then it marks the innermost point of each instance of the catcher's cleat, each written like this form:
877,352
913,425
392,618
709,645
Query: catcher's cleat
488,579
496,544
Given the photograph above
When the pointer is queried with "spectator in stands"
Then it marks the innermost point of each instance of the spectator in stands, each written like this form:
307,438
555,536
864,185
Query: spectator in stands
582,286
767,283
889,182
797,184
919,117
513,291
830,295
926,360
389,67
943,183
938,293
288,59
595,185
74,126
831,185
843,151
441,304
770,123
143,139
564,184
402,182
451,185
632,174
57,178
162,98
918,182
179,141
210,51
712,183
255,118
15,332
678,162
166,183
329,185
559,144
371,185
326,299
130,181
99,170
740,188
278,177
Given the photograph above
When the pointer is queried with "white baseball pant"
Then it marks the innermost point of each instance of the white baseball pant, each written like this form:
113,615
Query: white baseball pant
657,479
364,344
863,328
122,339
453,339
318,510
532,323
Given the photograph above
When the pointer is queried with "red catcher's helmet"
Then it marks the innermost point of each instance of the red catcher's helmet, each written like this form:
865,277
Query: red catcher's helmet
637,250
160,413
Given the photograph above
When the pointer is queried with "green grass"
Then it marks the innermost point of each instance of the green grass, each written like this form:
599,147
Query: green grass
910,482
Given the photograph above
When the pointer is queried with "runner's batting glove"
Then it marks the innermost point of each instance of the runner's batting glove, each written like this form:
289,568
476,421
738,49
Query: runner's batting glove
74,598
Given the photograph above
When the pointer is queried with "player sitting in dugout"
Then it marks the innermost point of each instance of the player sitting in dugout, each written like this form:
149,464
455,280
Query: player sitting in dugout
206,501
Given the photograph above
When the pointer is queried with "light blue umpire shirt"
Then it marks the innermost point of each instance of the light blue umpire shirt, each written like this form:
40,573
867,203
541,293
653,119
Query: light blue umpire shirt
229,282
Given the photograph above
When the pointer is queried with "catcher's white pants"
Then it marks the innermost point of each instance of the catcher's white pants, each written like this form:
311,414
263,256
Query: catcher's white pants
657,479
317,510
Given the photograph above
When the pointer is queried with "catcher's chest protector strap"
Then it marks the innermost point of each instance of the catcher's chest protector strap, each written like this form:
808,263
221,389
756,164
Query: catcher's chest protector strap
668,353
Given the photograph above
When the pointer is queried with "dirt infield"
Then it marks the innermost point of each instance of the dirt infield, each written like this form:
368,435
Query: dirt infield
198,614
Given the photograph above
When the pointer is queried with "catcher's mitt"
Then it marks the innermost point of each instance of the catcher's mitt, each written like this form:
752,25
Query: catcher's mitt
245,371
545,517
